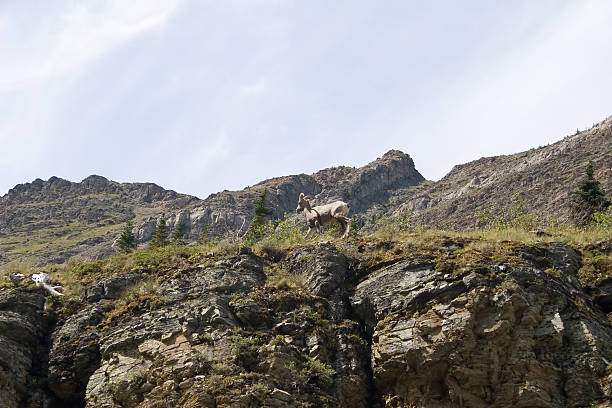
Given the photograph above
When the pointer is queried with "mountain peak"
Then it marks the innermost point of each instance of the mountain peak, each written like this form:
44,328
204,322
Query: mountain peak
94,178
390,157
395,154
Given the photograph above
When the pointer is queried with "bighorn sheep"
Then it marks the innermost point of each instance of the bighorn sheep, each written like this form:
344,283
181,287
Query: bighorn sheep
324,214
42,279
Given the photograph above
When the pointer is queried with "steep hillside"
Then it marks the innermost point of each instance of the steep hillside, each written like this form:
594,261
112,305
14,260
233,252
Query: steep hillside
540,178
53,220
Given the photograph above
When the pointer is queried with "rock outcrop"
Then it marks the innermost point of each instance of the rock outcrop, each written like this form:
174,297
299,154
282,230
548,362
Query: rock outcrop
498,336
366,325
24,344
211,335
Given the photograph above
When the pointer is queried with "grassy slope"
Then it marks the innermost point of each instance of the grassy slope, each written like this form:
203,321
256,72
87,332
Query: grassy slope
389,242
56,227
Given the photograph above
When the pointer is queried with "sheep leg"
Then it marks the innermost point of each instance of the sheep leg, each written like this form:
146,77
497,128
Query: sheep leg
346,224
308,233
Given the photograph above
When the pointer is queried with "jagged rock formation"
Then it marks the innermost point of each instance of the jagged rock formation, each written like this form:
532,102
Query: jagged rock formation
497,336
405,331
361,188
542,178
53,220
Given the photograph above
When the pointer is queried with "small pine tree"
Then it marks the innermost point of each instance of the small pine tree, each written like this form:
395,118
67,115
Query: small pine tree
160,237
588,199
127,241
260,212
177,236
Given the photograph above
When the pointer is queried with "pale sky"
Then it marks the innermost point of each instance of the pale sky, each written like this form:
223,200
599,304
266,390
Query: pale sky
201,96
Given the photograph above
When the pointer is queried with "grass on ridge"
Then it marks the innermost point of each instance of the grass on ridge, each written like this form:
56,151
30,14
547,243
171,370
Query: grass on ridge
390,241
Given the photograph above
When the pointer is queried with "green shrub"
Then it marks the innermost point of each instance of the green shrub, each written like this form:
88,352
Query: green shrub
258,227
273,237
245,350
81,268
127,241
589,198
178,234
311,368
601,220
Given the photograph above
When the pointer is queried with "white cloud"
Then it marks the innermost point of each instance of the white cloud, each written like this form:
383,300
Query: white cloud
69,37
538,91
199,96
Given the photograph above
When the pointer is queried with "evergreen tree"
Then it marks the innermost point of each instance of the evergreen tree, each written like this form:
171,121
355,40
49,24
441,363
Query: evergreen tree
177,236
589,198
127,241
160,237
260,212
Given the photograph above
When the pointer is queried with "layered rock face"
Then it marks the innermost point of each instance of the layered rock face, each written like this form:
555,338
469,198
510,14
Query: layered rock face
235,332
24,344
496,336
221,338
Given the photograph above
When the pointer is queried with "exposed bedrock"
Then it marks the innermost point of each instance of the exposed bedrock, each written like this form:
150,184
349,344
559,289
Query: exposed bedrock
499,336
237,332
23,349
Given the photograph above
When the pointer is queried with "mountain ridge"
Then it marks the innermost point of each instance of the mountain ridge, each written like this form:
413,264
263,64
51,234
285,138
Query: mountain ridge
389,317
98,203
54,220
542,177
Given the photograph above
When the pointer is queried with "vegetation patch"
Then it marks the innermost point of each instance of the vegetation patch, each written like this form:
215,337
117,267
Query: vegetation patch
311,370
245,349
282,300
144,295
596,267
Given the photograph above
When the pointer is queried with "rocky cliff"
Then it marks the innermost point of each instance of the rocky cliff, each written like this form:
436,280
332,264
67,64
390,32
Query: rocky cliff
435,321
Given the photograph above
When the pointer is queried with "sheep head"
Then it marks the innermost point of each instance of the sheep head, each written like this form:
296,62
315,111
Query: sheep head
303,203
